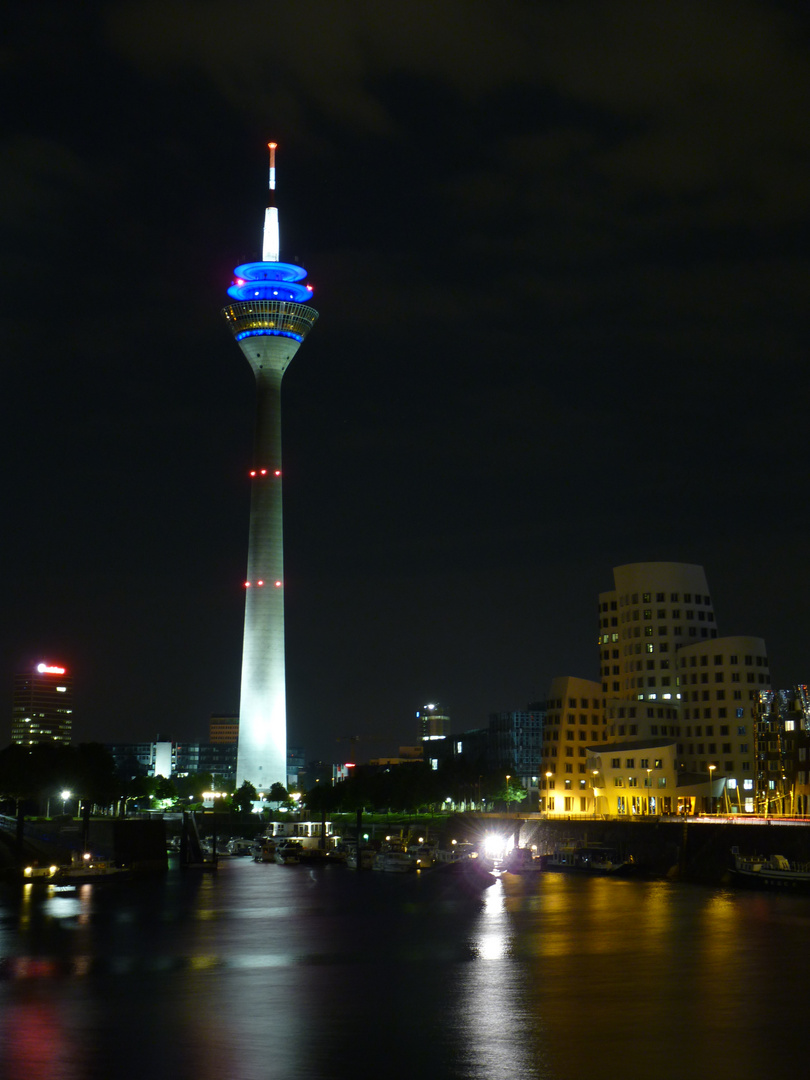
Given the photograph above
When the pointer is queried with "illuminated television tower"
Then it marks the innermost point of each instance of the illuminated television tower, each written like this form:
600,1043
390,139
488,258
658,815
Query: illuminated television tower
269,321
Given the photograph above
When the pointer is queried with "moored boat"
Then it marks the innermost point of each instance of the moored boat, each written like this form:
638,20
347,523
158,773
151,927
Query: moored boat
288,853
35,872
469,870
238,845
367,856
395,862
769,872
423,856
86,868
264,849
583,858
522,861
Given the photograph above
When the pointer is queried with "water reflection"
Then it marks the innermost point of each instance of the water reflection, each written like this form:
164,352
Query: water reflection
495,1033
265,970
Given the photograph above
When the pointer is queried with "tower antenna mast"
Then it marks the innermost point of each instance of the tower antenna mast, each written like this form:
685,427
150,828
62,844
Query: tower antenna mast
271,246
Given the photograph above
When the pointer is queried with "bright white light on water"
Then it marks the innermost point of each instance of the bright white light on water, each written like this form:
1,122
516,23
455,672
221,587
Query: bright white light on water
496,846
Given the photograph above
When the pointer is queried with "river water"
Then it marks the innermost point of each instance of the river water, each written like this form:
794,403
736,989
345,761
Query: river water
292,972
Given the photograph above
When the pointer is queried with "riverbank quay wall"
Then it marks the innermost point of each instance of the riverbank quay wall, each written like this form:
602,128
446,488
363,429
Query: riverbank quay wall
137,843
692,849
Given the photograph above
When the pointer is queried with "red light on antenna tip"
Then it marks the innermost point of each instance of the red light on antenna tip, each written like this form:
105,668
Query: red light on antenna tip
272,145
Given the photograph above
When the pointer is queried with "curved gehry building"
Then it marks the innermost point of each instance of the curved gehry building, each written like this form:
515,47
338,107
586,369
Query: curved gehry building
675,724
269,320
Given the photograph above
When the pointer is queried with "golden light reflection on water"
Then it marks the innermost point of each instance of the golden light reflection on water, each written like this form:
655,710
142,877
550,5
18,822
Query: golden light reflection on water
613,957
549,978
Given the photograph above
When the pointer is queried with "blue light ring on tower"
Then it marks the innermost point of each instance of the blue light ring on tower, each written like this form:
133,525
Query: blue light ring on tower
270,290
268,333
270,271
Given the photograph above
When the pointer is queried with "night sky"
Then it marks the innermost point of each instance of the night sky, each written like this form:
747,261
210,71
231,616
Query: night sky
560,255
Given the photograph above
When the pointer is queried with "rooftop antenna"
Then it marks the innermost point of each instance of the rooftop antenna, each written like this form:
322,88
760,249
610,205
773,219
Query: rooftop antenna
271,247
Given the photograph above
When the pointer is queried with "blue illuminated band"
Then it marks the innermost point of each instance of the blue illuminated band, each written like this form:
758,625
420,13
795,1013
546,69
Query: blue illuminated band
268,333
270,281
270,271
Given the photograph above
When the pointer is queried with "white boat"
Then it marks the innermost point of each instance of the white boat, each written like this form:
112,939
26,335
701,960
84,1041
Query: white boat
423,855
769,871
288,852
85,868
394,862
264,849
240,846
367,856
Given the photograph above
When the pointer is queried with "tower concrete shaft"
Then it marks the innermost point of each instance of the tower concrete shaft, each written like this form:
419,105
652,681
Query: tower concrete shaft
269,324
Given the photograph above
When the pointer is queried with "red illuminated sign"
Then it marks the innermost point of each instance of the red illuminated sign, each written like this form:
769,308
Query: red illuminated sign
50,669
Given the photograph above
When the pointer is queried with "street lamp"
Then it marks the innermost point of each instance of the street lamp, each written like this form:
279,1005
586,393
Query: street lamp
508,778
548,788
711,794
649,791
64,795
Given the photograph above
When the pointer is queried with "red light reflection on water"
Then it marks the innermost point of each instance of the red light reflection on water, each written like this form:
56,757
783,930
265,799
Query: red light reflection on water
36,1045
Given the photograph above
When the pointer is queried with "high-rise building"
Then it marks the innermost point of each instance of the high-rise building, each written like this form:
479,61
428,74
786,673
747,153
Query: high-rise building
654,610
782,740
432,722
679,706
574,720
720,684
516,747
42,705
269,320
224,730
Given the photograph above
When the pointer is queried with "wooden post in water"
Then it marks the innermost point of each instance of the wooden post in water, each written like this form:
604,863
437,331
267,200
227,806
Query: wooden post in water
19,836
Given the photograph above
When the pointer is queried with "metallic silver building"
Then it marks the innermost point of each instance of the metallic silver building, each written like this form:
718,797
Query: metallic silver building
269,321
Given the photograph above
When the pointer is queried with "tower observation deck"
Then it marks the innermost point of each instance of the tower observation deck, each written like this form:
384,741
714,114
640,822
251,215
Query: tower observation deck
269,320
